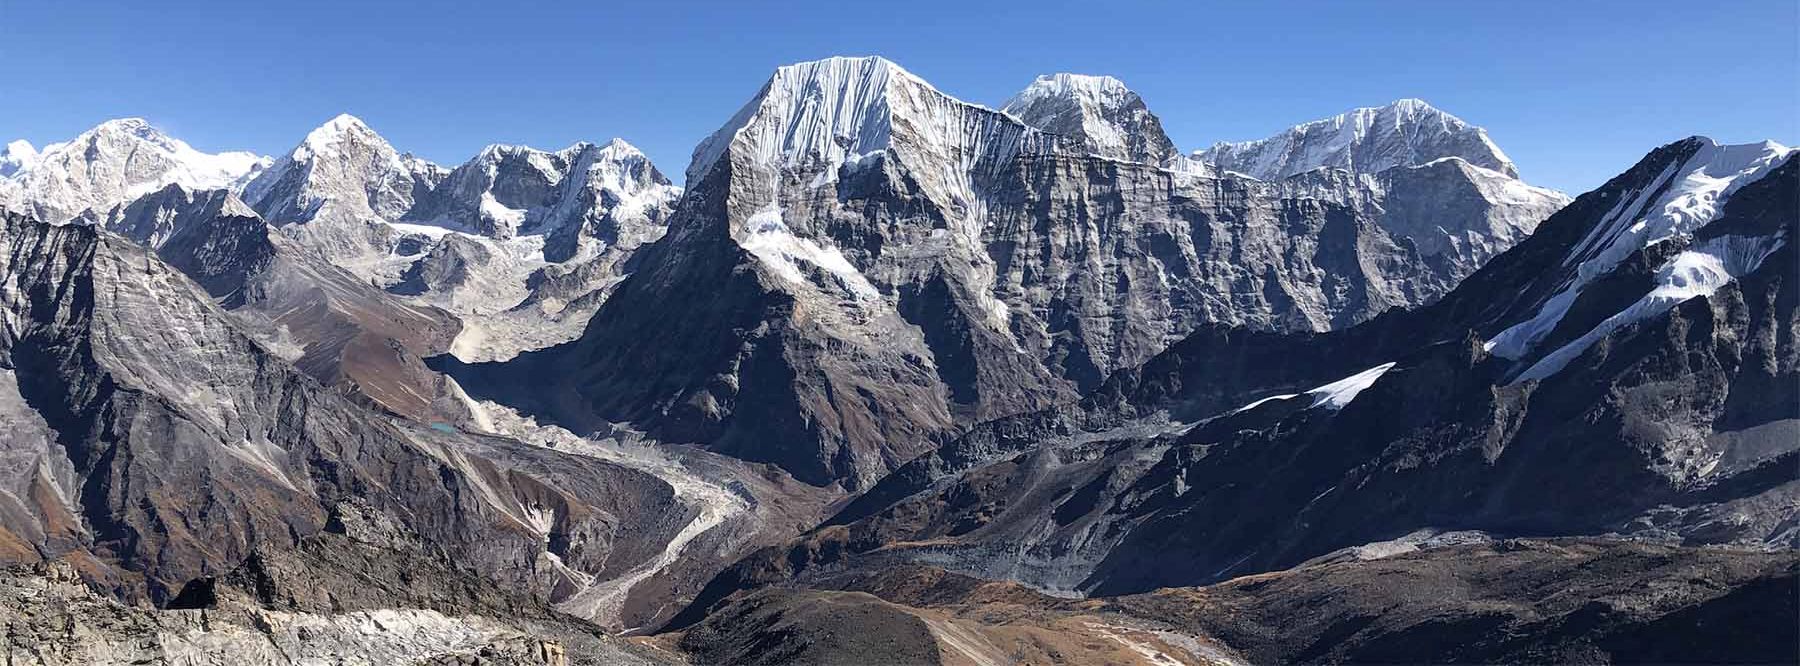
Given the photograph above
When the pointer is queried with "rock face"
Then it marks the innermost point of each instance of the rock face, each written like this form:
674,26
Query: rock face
1563,601
156,444
52,618
330,324
110,165
1094,115
1368,139
1628,369
864,265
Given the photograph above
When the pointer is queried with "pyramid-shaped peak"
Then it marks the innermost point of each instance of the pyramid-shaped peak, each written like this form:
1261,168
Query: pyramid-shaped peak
337,130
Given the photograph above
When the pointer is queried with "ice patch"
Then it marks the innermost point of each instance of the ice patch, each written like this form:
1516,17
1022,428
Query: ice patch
1338,394
1258,403
767,238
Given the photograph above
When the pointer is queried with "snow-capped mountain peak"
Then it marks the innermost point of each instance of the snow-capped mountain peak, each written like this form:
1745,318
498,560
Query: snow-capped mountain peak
824,113
1405,132
818,118
344,162
17,156
833,107
343,128
1093,114
112,163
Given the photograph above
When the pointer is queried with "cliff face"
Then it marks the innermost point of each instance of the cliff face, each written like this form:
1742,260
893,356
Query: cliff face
1659,403
158,444
864,265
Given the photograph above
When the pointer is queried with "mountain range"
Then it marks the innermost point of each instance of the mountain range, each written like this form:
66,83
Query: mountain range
899,377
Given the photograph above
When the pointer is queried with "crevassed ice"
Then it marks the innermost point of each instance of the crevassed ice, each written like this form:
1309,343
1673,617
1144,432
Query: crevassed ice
1696,191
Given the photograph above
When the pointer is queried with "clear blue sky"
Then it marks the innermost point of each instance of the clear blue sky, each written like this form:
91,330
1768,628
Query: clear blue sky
1574,90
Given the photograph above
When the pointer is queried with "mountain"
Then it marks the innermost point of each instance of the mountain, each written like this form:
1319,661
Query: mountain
1097,115
331,325
1370,139
863,266
1626,371
565,226
335,190
109,165
520,244
158,448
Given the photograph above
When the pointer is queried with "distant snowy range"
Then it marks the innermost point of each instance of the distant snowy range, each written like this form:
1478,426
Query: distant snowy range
898,378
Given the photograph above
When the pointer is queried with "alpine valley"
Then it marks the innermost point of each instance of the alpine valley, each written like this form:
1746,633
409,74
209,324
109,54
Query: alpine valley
898,378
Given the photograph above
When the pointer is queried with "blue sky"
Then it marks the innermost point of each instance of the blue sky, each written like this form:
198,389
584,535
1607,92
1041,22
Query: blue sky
1575,91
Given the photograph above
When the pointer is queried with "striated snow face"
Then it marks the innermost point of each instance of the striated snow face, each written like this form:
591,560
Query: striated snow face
1404,133
110,165
817,116
1681,200
1095,115
814,112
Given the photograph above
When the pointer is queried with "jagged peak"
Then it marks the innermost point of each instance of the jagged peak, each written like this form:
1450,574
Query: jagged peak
17,156
179,194
619,148
613,152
